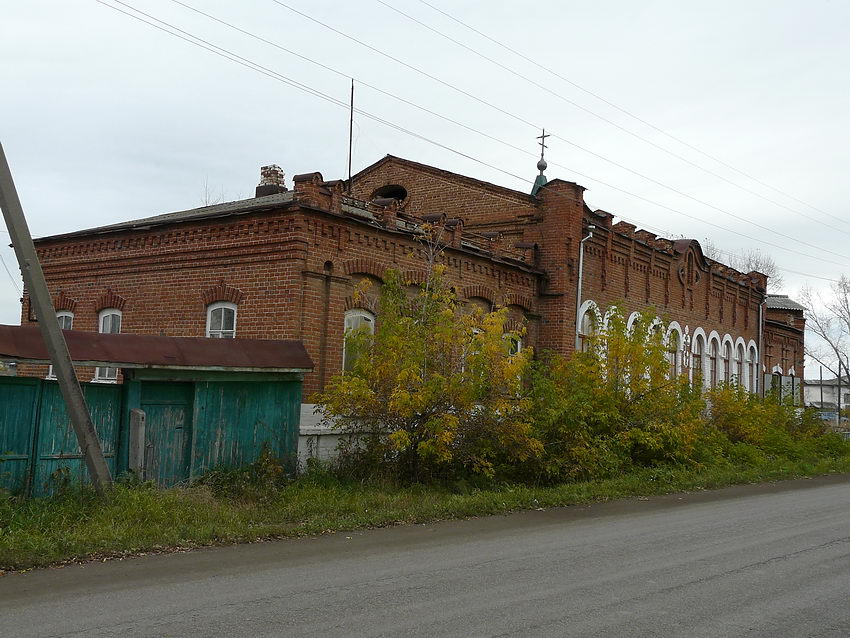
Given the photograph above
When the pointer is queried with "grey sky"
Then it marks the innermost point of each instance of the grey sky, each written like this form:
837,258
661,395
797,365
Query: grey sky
105,119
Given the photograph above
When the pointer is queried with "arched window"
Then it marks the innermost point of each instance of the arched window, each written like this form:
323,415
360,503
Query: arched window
712,363
588,325
727,362
674,347
65,319
221,320
66,322
740,379
108,322
630,323
656,331
697,369
752,373
479,304
514,343
355,320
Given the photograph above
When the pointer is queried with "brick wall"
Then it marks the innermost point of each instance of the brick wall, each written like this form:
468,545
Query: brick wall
292,271
783,341
292,268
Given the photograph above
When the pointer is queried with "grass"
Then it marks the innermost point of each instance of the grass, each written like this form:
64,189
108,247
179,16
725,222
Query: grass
78,525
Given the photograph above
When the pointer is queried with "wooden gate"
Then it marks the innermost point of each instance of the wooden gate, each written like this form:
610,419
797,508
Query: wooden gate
38,445
168,431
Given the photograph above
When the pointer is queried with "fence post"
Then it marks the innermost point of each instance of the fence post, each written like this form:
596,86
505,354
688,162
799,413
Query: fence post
136,462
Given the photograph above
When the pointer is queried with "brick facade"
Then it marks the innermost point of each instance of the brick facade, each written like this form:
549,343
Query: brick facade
784,328
290,260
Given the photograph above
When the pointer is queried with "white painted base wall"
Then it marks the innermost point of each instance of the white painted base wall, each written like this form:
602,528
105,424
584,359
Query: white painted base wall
315,440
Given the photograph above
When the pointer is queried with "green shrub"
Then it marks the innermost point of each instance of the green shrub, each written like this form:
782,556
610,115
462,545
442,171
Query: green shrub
256,482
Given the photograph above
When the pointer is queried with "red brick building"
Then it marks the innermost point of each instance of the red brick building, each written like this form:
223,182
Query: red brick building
285,263
784,356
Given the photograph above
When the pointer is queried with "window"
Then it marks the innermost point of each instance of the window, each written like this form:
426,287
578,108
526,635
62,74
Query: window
66,322
712,363
739,365
391,191
752,375
66,319
674,345
108,322
727,362
696,364
514,343
587,327
221,320
355,320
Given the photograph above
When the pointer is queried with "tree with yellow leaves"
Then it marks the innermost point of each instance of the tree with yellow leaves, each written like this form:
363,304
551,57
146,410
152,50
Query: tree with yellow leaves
436,392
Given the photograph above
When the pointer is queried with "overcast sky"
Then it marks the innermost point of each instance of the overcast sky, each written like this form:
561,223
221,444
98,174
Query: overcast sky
105,119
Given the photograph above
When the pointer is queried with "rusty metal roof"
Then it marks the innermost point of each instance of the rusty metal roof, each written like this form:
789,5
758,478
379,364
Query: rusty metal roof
24,343
242,206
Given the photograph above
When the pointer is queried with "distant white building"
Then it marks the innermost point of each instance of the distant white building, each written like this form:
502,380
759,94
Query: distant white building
825,395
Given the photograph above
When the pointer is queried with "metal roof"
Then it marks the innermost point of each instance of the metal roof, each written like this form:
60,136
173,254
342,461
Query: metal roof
845,382
24,343
782,302
237,207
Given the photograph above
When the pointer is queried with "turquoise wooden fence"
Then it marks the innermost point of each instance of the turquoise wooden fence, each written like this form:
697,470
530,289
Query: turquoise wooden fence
38,446
195,422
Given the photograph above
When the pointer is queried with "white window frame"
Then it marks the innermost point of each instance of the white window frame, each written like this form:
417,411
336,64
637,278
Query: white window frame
698,348
348,324
741,365
514,343
61,314
753,372
589,322
107,374
674,356
65,314
220,334
727,348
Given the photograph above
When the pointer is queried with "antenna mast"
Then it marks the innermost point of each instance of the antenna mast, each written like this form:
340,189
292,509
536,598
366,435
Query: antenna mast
350,133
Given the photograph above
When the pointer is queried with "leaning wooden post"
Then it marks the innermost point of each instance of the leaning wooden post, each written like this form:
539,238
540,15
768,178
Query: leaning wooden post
136,461
57,349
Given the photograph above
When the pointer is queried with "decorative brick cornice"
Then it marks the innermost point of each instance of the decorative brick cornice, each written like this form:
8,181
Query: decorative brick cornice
110,300
414,277
222,292
64,302
479,291
364,265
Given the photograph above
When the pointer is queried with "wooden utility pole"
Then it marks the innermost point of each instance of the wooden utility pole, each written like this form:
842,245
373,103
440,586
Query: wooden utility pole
57,349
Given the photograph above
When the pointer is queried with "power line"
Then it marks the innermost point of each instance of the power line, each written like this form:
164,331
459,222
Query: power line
277,76
629,113
11,278
537,127
606,120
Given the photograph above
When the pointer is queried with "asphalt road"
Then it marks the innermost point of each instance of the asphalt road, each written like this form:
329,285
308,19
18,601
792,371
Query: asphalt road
769,560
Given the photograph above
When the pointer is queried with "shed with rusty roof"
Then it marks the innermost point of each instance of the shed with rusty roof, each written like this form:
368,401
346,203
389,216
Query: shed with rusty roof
206,403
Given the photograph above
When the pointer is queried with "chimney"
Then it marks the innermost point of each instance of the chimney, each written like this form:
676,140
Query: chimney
271,181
